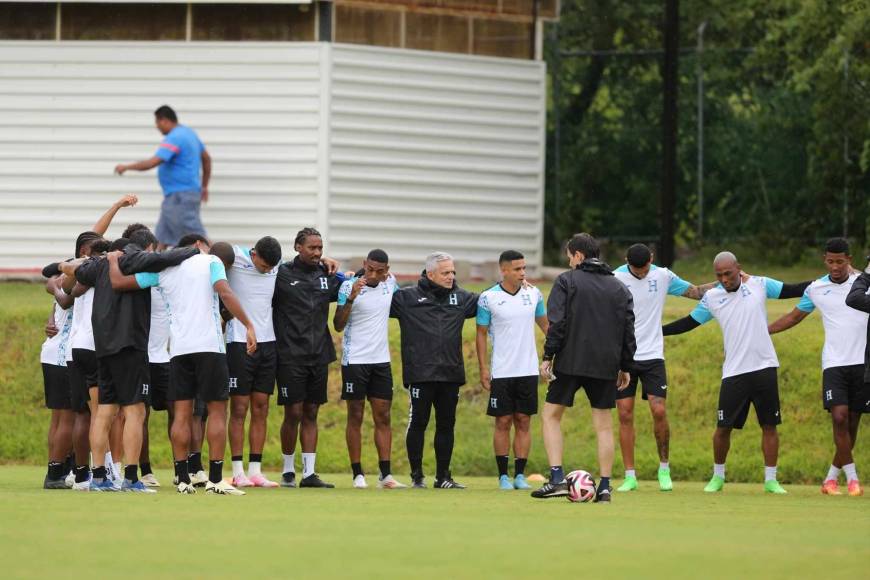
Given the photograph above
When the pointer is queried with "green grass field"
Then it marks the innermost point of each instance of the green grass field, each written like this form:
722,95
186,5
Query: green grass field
476,533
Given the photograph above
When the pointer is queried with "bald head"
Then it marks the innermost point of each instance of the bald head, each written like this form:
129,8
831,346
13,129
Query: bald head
723,258
727,270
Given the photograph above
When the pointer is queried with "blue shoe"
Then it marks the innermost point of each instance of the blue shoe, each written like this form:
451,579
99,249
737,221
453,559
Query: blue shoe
521,483
504,482
104,485
137,487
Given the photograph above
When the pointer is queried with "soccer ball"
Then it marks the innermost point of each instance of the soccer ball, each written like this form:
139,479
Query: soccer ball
581,486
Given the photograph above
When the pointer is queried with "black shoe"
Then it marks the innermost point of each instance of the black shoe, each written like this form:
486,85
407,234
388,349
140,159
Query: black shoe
447,482
54,483
314,480
417,480
549,490
288,479
603,496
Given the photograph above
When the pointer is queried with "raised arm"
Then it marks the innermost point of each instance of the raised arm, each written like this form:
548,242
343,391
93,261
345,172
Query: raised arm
858,298
231,303
106,219
144,165
206,174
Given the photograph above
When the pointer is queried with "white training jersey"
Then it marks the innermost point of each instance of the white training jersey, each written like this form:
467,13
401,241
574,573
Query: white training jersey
742,314
192,303
366,338
158,335
255,291
649,295
54,349
511,322
82,333
845,327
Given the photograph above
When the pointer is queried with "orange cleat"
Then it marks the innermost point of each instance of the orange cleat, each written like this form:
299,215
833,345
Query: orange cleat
831,487
855,488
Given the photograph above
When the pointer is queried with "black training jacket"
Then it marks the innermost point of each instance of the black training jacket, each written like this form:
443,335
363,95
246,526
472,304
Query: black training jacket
431,320
300,313
591,323
123,319
859,299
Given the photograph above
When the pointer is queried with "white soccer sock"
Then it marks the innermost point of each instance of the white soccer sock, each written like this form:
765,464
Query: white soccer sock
308,464
289,463
833,473
116,469
719,470
664,465
254,468
238,468
630,473
851,472
769,473
107,460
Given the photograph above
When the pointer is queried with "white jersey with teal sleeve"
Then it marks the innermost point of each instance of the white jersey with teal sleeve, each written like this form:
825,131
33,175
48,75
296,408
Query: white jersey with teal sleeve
511,322
742,314
158,334
255,291
845,328
54,349
191,303
366,335
649,295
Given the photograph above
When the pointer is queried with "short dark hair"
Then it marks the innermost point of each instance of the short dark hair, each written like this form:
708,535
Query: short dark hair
378,256
224,251
166,112
510,256
132,228
143,238
638,255
119,244
100,246
837,246
84,239
190,239
269,249
585,244
303,235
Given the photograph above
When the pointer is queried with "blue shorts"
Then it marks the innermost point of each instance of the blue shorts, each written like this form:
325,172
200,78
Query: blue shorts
179,216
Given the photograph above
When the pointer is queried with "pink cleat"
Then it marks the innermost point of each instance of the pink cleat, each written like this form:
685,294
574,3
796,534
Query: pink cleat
830,487
855,488
259,480
242,481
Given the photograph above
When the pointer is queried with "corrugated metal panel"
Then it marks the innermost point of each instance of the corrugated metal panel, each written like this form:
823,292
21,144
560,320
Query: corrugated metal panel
434,151
70,111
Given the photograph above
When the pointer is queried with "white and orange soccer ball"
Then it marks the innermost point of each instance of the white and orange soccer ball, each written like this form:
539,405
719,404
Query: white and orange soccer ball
581,486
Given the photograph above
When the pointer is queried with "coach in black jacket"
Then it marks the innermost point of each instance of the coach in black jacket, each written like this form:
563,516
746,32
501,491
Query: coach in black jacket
431,315
590,345
859,299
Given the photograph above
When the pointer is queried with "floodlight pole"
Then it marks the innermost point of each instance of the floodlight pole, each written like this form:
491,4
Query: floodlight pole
699,67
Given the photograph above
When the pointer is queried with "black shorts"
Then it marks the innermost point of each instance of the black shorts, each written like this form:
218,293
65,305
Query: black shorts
846,386
199,375
56,381
83,374
511,395
374,381
159,391
759,388
252,372
124,378
298,384
600,392
653,377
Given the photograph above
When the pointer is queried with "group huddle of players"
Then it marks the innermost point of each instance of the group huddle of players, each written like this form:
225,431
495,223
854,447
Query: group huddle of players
203,327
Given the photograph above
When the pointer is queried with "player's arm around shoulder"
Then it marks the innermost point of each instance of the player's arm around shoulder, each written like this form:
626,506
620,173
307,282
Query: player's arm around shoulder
803,309
859,296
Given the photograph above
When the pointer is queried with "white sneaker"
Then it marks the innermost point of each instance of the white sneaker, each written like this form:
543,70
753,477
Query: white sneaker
82,485
70,480
222,488
199,479
389,482
149,480
359,482
186,489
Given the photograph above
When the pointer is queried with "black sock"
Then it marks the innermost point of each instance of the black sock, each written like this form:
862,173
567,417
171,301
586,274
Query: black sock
604,484
519,465
82,473
99,473
145,468
237,458
357,469
55,469
216,470
556,474
384,467
194,462
255,458
69,464
502,462
131,473
442,468
181,471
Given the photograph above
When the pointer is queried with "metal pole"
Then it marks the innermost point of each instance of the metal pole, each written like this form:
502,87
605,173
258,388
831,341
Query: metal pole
699,68
846,151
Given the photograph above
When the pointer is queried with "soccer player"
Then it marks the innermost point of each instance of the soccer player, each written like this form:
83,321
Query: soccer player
431,315
590,345
749,372
198,360
303,290
649,286
508,312
252,377
363,314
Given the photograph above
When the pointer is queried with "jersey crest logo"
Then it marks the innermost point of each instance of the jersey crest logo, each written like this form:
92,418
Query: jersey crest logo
745,291
324,283
653,285
527,300
454,300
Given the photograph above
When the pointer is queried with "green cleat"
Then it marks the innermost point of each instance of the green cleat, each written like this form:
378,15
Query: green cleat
665,483
630,484
716,484
773,486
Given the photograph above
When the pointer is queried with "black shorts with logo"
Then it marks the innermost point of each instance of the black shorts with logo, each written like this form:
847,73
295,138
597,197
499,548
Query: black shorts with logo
297,384
56,382
509,395
83,374
736,393
124,377
159,392
252,372
653,377
846,386
199,375
359,381
600,392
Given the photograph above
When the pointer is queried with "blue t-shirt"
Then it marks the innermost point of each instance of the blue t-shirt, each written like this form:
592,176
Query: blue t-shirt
181,153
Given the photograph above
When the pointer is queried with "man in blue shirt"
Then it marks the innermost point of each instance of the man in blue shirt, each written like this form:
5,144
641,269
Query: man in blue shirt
180,157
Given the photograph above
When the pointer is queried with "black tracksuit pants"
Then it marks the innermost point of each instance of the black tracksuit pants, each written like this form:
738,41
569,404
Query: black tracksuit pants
424,396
